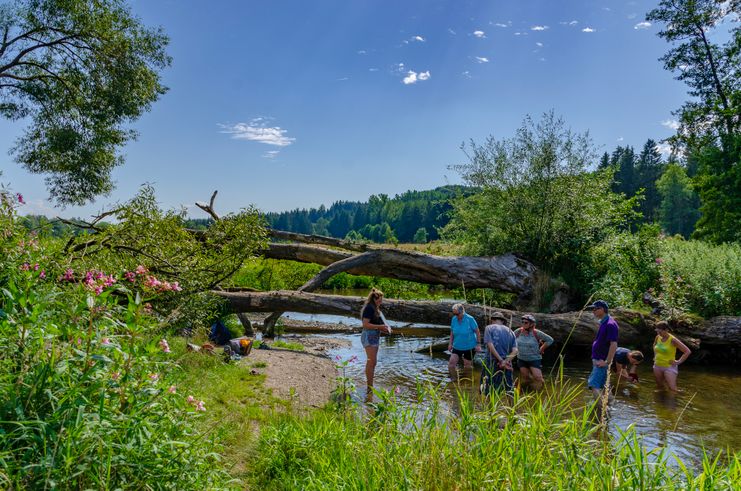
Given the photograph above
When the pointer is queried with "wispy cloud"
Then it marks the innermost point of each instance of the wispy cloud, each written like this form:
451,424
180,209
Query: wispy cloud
671,123
500,24
451,31
642,25
539,45
588,29
271,154
467,74
413,77
664,149
361,52
620,138
539,28
418,39
373,69
481,59
258,130
520,33
569,23
479,34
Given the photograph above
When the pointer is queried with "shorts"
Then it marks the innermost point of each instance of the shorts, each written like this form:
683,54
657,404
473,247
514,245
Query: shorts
598,377
671,369
466,354
495,378
370,337
530,364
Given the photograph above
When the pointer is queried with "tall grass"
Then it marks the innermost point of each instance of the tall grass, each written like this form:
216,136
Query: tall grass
537,441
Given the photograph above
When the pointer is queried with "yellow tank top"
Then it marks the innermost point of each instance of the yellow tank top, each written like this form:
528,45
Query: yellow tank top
664,352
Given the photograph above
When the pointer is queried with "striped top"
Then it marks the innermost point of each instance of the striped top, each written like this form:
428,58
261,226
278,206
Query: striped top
528,345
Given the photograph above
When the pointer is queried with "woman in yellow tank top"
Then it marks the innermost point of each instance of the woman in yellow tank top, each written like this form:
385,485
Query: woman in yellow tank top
665,351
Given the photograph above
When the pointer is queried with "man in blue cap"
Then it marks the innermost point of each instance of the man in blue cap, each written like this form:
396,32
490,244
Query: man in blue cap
603,347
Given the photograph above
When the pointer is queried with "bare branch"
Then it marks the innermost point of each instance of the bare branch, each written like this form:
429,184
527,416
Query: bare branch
209,208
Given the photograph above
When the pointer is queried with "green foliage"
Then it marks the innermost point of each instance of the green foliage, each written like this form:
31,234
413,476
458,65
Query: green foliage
87,397
537,198
289,345
700,277
543,441
679,203
381,219
710,123
82,72
420,236
144,236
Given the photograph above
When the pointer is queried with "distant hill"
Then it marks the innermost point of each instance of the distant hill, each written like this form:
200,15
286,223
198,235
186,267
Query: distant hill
413,216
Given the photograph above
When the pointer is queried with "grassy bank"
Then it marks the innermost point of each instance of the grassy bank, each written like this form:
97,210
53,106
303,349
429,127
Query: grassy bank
543,441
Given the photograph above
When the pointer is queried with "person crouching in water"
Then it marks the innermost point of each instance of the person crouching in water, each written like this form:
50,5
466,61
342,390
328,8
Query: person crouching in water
465,338
626,363
501,348
373,326
531,343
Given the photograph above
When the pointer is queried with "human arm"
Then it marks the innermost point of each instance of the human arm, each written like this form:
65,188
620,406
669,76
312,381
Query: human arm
478,339
610,355
545,339
450,342
368,325
686,352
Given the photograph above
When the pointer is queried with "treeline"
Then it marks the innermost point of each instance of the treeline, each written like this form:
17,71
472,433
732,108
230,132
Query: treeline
414,216
665,191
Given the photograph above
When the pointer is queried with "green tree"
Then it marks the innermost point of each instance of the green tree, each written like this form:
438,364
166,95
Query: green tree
679,202
420,236
710,123
537,197
648,170
81,71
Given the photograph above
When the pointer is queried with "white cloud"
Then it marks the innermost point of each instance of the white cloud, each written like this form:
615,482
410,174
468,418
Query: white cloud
38,207
361,51
257,130
539,28
451,31
620,138
588,29
664,148
271,154
499,24
479,34
467,74
520,34
343,79
642,25
671,123
539,45
413,77
481,59
418,39
569,23
373,69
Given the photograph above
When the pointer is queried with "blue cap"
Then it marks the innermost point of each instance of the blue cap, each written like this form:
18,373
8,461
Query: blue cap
600,304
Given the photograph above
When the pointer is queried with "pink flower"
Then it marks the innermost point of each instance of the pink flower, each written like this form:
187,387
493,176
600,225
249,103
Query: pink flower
353,359
19,196
98,289
115,375
25,267
191,400
176,286
165,347
152,282
36,267
130,276
140,270
68,275
42,274
154,377
201,406
659,260
172,389
105,341
397,390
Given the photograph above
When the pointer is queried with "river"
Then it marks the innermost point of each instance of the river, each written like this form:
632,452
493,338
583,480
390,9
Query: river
706,413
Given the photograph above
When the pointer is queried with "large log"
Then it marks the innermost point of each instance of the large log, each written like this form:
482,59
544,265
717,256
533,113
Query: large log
576,328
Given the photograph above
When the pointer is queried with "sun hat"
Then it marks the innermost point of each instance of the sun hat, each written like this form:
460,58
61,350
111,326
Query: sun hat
498,315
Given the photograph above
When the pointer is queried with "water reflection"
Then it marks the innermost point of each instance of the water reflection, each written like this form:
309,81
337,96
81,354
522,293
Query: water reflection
704,414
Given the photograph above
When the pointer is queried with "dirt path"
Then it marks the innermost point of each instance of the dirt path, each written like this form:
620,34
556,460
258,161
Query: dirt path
306,376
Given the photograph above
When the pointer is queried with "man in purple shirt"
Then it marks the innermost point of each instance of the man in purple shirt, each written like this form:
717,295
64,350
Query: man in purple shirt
603,347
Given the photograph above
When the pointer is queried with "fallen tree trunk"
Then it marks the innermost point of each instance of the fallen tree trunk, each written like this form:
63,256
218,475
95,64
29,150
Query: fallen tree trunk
318,239
576,328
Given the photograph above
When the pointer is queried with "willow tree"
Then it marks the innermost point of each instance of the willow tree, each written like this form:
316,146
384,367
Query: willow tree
80,71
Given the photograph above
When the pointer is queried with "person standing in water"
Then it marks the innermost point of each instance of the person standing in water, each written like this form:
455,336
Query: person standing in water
666,366
373,326
531,343
465,338
603,347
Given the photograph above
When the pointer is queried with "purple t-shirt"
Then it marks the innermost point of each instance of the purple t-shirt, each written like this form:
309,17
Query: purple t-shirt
607,333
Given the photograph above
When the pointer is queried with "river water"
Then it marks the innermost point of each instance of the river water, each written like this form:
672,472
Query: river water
705,414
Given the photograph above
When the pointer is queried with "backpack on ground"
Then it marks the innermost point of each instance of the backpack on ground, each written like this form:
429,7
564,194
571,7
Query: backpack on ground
219,333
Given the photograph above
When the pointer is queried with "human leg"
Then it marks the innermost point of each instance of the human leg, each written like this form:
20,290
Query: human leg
670,376
659,376
370,364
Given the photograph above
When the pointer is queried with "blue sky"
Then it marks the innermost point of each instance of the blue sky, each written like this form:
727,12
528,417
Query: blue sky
287,104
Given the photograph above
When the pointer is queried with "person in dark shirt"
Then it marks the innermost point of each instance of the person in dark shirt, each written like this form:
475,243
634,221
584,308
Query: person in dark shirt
626,363
603,347
373,326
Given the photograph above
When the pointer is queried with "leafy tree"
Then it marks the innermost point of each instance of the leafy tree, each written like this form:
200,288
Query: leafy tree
537,198
81,71
649,168
678,201
710,123
420,236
